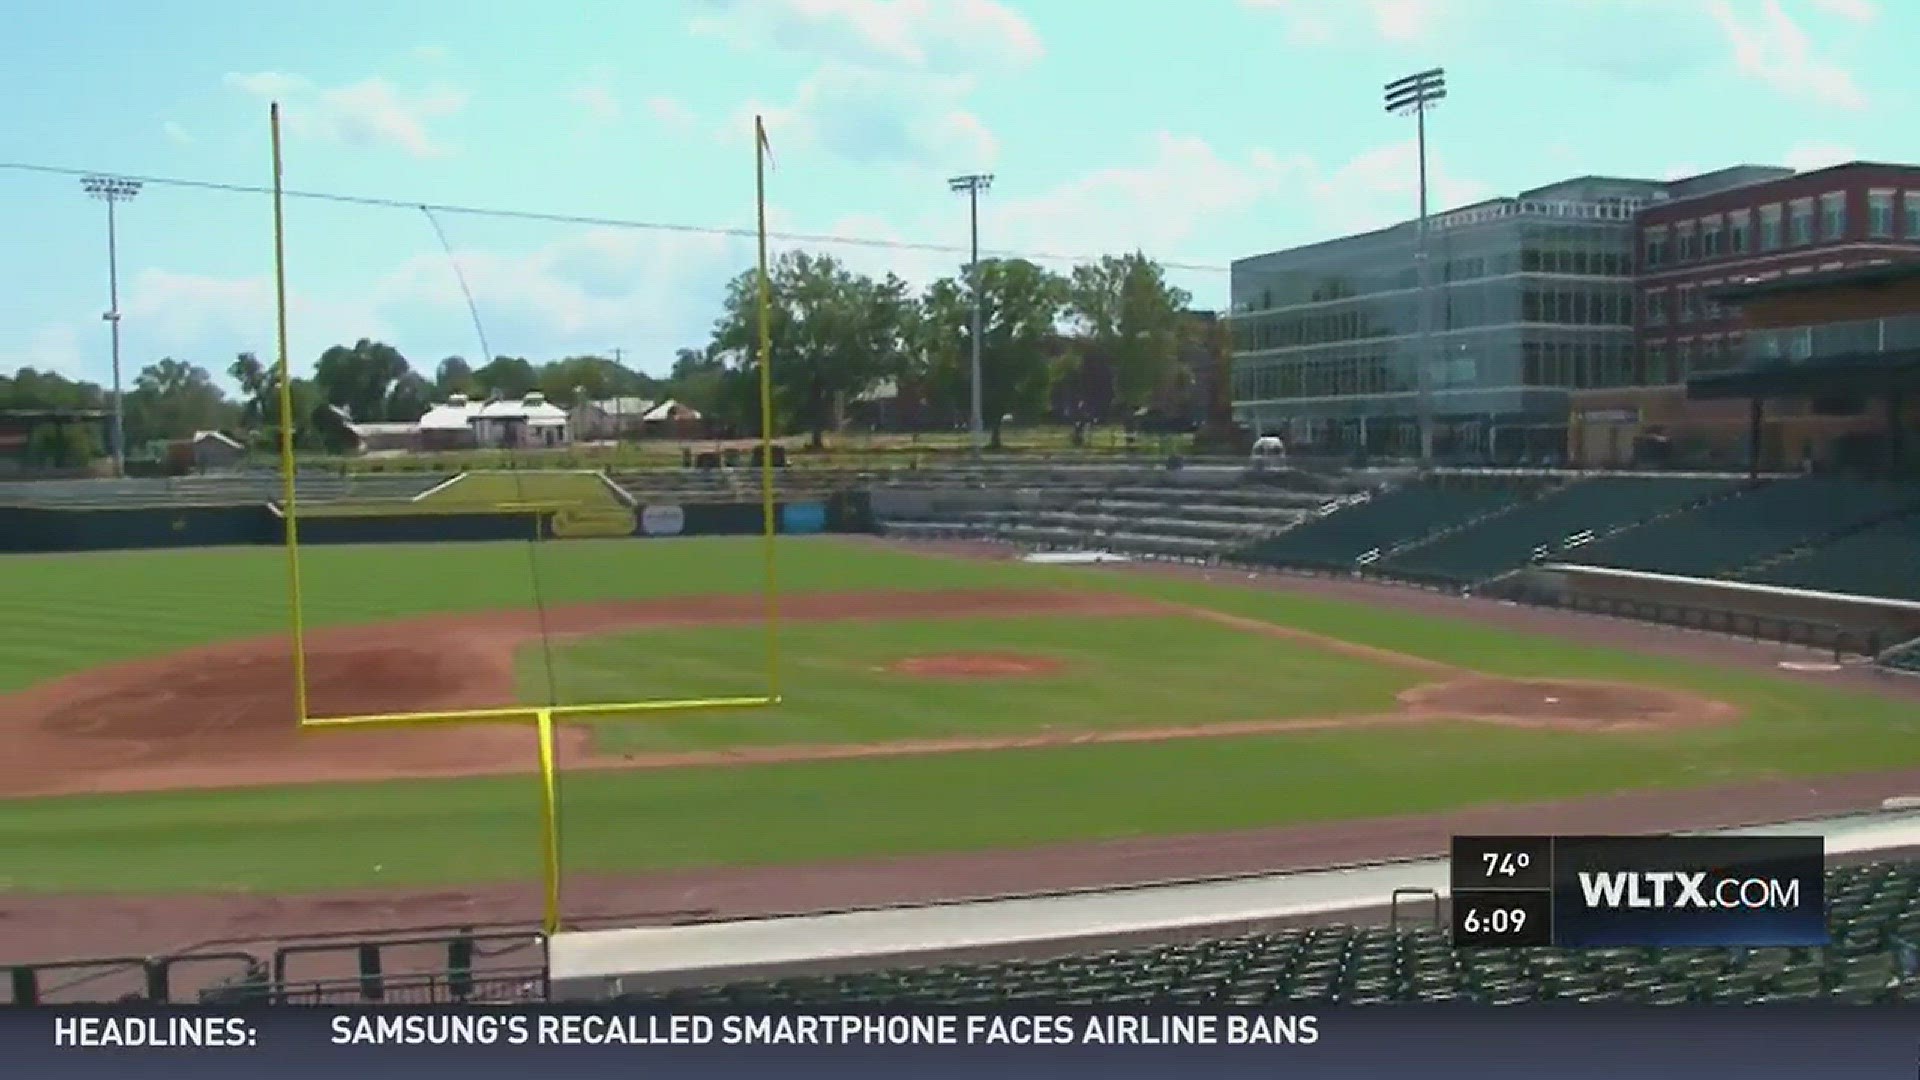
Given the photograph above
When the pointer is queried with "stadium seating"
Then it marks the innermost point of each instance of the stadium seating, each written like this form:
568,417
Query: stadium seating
1880,560
1765,520
1378,523
1144,512
1873,913
1905,658
1505,541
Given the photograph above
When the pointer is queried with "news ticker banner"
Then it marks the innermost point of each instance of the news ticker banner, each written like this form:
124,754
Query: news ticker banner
481,1043
1609,891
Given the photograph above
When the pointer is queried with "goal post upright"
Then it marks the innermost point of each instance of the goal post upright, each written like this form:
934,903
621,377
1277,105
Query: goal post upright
541,717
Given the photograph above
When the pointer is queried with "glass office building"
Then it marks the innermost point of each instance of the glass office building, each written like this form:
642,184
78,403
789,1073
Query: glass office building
1531,298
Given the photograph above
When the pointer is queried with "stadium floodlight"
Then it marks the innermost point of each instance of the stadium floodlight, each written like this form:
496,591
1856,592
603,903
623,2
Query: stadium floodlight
1416,94
112,190
974,184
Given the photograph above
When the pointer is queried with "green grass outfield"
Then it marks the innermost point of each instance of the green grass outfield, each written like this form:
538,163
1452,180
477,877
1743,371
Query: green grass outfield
69,613
1127,672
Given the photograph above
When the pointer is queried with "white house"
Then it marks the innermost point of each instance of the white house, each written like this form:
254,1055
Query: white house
528,422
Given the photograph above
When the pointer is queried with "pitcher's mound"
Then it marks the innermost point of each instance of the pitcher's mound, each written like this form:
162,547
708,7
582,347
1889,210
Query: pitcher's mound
967,666
1587,705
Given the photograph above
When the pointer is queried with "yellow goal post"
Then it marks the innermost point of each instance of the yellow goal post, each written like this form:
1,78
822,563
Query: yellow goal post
542,717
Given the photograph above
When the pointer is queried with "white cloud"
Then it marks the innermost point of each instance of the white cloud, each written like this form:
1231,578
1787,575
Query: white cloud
941,35
872,116
1808,158
1860,11
175,133
670,112
597,102
1774,49
1156,205
1329,22
56,348
1381,186
582,290
372,112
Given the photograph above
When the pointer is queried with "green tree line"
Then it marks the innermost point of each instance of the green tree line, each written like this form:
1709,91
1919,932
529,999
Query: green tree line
836,334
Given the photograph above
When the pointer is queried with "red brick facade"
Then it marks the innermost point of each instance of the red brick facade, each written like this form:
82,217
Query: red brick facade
1689,247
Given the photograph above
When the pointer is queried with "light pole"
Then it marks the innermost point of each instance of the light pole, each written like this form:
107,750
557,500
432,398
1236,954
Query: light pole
111,190
1416,94
973,184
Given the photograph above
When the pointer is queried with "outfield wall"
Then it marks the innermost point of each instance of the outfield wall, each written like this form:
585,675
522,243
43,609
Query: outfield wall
51,529
1846,623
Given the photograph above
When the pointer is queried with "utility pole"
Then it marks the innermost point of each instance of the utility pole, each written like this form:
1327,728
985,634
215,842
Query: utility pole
1416,94
619,399
973,184
111,190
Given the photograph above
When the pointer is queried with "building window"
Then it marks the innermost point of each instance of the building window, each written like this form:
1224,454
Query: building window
1710,237
1656,310
1658,374
1800,222
1682,359
1770,227
1689,241
1880,213
1739,232
1833,215
1911,201
1689,303
1656,241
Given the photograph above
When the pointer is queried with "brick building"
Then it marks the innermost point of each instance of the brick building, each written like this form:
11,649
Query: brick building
1828,377
1785,224
1695,253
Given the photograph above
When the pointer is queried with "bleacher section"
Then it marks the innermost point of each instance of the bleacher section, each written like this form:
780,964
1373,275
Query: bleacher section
1765,520
1337,540
1879,560
1552,523
1873,911
1143,513
1905,659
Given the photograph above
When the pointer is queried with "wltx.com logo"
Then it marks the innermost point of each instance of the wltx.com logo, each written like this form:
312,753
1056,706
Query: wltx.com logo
1682,890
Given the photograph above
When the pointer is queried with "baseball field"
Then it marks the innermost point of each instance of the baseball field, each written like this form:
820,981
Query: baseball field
937,707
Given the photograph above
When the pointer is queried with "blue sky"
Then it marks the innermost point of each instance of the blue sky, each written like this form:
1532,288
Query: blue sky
1198,131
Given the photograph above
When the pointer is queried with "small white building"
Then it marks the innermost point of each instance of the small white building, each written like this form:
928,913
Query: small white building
529,422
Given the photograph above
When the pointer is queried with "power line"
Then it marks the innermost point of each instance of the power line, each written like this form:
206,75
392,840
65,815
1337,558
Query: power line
582,219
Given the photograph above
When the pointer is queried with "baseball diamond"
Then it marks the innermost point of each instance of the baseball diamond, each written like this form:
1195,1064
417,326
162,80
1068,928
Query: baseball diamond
954,722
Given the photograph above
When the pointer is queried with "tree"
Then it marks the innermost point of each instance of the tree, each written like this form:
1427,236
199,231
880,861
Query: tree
260,406
409,399
834,333
62,446
31,389
1128,312
172,399
696,380
506,377
1021,306
595,378
360,377
453,376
